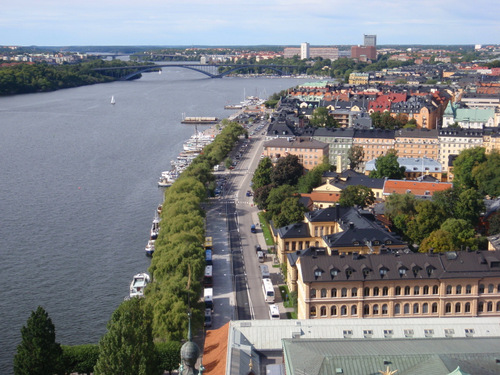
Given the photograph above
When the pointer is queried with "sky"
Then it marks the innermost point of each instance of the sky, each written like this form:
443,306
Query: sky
243,22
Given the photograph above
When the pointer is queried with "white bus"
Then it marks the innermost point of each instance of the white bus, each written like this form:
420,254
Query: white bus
274,312
268,289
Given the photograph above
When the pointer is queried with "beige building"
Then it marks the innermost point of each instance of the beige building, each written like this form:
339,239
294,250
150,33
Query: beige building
309,151
453,141
417,143
398,285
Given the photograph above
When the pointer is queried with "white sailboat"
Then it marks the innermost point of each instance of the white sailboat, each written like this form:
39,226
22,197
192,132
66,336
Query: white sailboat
113,99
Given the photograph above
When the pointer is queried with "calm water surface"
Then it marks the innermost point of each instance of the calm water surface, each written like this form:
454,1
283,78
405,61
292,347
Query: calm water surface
78,192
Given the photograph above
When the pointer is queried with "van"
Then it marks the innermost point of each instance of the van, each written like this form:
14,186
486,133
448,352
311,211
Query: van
264,271
208,318
260,255
208,297
274,312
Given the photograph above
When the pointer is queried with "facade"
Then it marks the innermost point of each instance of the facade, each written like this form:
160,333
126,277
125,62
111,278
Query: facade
398,285
364,53
415,168
417,143
359,78
304,51
331,53
375,142
370,40
470,118
453,140
309,151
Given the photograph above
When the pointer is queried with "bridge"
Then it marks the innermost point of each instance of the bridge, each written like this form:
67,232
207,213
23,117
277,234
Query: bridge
210,70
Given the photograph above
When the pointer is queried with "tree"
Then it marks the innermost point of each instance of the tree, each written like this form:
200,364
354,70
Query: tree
262,175
287,170
355,155
388,166
276,198
486,175
462,233
464,164
357,195
428,219
38,353
261,194
170,355
469,206
494,224
291,212
439,241
127,348
313,177
321,118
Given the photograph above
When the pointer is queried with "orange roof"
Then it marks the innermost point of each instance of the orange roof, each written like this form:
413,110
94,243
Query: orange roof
415,187
323,197
215,351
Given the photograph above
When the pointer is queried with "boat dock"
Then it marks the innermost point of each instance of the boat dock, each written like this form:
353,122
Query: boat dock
200,120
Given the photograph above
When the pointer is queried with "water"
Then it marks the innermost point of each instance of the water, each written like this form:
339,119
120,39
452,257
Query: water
78,192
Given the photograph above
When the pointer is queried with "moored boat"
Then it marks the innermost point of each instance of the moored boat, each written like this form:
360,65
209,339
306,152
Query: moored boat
150,247
155,228
138,284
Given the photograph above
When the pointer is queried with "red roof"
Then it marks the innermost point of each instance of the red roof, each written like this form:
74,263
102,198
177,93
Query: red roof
414,187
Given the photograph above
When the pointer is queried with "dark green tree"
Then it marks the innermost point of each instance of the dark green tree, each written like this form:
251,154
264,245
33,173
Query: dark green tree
428,219
357,195
388,166
321,118
463,165
127,347
170,355
312,178
487,175
291,212
355,155
262,175
287,170
439,241
261,194
462,233
494,224
38,353
469,206
80,358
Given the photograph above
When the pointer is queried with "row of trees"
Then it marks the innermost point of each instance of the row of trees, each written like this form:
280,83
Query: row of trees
25,78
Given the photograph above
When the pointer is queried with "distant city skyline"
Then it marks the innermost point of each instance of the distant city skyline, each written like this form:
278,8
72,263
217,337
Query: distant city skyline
269,22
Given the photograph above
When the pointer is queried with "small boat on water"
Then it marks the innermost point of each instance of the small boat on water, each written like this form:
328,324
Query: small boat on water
150,248
138,284
155,228
113,100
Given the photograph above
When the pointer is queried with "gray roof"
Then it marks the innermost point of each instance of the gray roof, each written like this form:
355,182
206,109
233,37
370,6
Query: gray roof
299,142
297,230
400,266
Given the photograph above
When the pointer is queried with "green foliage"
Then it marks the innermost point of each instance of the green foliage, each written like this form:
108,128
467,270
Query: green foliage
494,224
276,198
288,170
38,353
439,241
357,195
487,176
127,347
262,175
388,166
169,355
462,233
291,212
261,194
80,358
463,165
312,178
385,121
321,118
355,155
429,217
469,206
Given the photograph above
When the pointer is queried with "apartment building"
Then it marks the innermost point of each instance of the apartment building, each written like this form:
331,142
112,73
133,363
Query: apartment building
375,142
453,140
309,151
417,143
403,285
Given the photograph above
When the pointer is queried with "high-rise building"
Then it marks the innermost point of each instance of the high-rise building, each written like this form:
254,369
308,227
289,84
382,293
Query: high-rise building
304,51
370,41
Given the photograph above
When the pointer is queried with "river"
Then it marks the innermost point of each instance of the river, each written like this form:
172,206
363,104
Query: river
78,192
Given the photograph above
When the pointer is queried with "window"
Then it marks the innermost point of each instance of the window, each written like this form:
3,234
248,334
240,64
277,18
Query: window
344,292
375,310
426,290
385,291
366,292
343,310
375,291
366,310
312,311
334,292
447,308
407,290
468,289
385,309
458,289
406,308
354,310
435,289
354,292
409,332
313,293
397,291
448,289
449,332
425,308
323,293
428,332
397,309
388,332
367,333
415,308
498,306
347,333
469,331
467,307
491,288
434,308
333,310
322,311
416,290
481,288
489,306
402,271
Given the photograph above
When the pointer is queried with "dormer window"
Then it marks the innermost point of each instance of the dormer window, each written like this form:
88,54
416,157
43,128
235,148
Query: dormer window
402,271
317,273
366,272
388,242
355,243
334,272
382,271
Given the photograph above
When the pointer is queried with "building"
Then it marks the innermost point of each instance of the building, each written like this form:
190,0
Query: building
470,118
370,40
453,140
375,142
395,284
304,51
331,53
417,143
421,189
364,53
309,151
415,168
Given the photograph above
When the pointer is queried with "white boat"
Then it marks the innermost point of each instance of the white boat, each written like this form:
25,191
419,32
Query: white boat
138,284
150,247
155,228
113,100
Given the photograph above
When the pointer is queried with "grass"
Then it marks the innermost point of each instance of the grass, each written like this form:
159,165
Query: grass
264,225
285,296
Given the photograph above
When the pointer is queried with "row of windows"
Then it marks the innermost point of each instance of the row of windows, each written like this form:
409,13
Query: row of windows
398,290
405,309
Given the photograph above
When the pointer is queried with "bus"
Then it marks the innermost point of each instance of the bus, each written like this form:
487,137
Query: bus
208,257
268,289
274,312
208,278
208,243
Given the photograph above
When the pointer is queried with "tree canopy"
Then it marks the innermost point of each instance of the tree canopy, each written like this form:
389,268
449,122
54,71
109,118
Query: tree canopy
463,165
38,353
357,195
321,118
388,166
355,155
287,170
